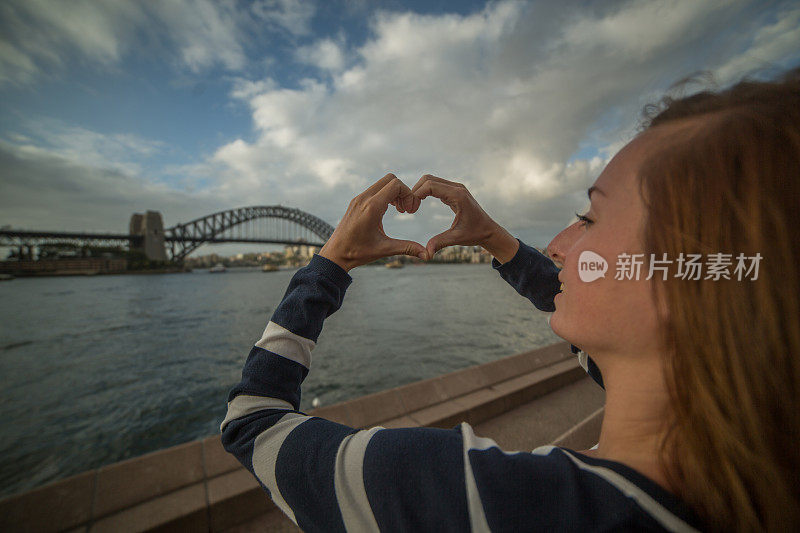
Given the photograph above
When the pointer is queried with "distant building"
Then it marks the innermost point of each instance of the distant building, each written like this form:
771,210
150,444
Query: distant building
300,252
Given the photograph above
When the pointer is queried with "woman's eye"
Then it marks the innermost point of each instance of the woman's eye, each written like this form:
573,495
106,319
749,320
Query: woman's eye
584,220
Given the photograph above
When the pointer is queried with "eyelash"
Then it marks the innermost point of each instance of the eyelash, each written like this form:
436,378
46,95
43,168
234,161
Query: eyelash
584,219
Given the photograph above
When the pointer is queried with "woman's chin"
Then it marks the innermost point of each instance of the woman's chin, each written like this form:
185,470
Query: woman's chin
554,320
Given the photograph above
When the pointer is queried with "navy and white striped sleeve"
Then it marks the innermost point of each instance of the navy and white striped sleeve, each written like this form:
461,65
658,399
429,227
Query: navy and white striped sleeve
327,476
533,275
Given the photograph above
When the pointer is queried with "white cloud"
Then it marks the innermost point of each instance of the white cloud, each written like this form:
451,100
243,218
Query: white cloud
500,100
40,38
770,45
120,152
53,190
325,54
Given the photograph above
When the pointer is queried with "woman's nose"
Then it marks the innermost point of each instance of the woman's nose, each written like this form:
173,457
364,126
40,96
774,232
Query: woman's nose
561,244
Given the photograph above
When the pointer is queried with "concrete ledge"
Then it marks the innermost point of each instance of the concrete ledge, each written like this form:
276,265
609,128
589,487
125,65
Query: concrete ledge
199,486
584,435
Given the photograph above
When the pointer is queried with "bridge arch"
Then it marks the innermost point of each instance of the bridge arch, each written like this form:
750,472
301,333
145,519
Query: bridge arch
184,238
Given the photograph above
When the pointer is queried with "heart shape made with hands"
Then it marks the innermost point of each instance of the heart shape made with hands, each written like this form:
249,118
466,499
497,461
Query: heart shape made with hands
470,226
431,245
360,238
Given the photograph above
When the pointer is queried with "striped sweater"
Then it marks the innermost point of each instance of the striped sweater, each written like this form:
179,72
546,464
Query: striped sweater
331,477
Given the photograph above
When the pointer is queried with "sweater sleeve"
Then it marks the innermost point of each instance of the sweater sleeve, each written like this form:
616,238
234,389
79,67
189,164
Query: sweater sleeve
533,275
323,475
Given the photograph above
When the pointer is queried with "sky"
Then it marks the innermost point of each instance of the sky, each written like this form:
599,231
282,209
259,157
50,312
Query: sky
189,107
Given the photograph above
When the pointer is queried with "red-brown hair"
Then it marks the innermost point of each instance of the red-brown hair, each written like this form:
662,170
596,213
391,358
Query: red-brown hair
726,178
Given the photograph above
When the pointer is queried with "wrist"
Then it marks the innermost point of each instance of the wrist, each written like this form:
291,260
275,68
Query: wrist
501,244
329,253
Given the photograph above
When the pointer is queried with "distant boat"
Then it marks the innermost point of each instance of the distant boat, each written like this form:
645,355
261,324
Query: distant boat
269,268
6,277
216,269
394,264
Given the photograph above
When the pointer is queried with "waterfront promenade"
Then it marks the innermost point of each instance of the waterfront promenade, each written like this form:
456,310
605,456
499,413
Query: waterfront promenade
522,401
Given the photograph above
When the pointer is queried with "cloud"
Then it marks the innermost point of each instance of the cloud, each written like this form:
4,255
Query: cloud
74,145
324,54
43,189
524,102
771,45
500,100
293,16
40,39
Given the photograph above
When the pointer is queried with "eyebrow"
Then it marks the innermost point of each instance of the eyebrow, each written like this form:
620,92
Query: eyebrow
592,189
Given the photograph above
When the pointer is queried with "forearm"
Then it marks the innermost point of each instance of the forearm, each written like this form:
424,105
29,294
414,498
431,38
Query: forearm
532,274
280,360
501,244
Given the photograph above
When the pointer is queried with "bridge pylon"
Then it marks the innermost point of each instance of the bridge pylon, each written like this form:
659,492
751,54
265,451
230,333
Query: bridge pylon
151,227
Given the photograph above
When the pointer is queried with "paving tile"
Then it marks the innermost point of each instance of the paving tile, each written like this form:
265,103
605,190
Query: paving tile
217,461
68,503
528,386
443,415
416,396
542,420
400,422
124,484
583,435
182,510
234,498
464,381
274,522
482,404
546,356
339,412
369,410
503,369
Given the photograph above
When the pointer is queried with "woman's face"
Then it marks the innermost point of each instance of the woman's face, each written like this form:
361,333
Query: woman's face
607,315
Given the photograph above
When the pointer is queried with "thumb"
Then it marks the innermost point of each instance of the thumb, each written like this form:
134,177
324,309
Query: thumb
443,240
414,249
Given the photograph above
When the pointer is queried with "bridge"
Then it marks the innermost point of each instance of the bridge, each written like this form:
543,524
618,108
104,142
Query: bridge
274,224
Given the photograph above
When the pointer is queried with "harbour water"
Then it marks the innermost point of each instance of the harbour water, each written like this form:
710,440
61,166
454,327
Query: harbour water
94,370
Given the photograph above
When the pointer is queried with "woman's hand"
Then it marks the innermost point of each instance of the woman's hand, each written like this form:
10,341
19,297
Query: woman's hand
471,227
359,238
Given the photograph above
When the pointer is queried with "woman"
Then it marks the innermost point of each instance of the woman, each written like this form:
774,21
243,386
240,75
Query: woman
701,375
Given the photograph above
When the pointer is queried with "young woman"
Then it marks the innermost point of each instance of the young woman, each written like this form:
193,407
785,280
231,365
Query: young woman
701,371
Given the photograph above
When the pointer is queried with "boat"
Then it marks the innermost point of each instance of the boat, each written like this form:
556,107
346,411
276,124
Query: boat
269,268
216,269
394,264
6,277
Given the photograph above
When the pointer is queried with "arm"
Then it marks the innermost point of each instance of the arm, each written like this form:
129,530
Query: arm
327,476
532,275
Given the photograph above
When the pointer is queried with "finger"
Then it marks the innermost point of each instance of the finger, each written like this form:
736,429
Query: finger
443,240
446,193
430,177
398,247
410,203
393,191
378,185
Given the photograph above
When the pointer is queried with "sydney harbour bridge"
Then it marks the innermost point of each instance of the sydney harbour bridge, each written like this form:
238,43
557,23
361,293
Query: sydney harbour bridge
273,224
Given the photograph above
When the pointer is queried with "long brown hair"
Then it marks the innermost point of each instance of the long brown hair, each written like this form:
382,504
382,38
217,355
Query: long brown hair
729,182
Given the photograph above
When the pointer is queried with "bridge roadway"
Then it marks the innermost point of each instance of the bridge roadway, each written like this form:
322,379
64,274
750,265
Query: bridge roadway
44,237
522,401
147,233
